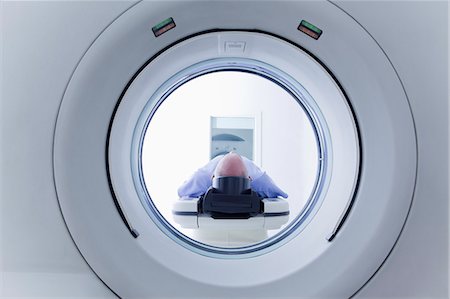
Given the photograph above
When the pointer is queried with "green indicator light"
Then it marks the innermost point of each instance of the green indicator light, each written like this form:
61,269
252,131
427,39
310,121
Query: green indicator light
163,23
311,26
309,29
163,27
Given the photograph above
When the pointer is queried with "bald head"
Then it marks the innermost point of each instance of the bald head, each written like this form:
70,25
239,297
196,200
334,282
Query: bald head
231,165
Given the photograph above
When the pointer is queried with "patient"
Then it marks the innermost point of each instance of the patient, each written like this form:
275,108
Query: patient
230,164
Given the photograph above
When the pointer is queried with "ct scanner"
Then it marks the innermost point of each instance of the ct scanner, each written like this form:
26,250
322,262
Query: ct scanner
82,81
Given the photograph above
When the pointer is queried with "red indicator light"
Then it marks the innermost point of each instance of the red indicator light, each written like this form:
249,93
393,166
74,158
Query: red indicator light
309,29
163,27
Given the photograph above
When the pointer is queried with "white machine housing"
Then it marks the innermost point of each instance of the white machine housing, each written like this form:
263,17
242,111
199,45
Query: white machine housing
49,46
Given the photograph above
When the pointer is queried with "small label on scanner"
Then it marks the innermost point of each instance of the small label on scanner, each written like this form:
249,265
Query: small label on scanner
234,47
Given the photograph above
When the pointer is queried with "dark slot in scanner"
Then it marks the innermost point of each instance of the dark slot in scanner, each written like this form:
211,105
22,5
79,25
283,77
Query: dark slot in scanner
231,198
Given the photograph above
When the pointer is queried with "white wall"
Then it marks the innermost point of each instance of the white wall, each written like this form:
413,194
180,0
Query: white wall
178,138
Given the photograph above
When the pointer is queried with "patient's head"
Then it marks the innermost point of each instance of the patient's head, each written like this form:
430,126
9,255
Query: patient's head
231,165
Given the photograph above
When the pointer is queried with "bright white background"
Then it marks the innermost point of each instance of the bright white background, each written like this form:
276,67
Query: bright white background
177,141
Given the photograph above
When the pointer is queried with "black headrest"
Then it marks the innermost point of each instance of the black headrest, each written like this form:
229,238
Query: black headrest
231,185
230,197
